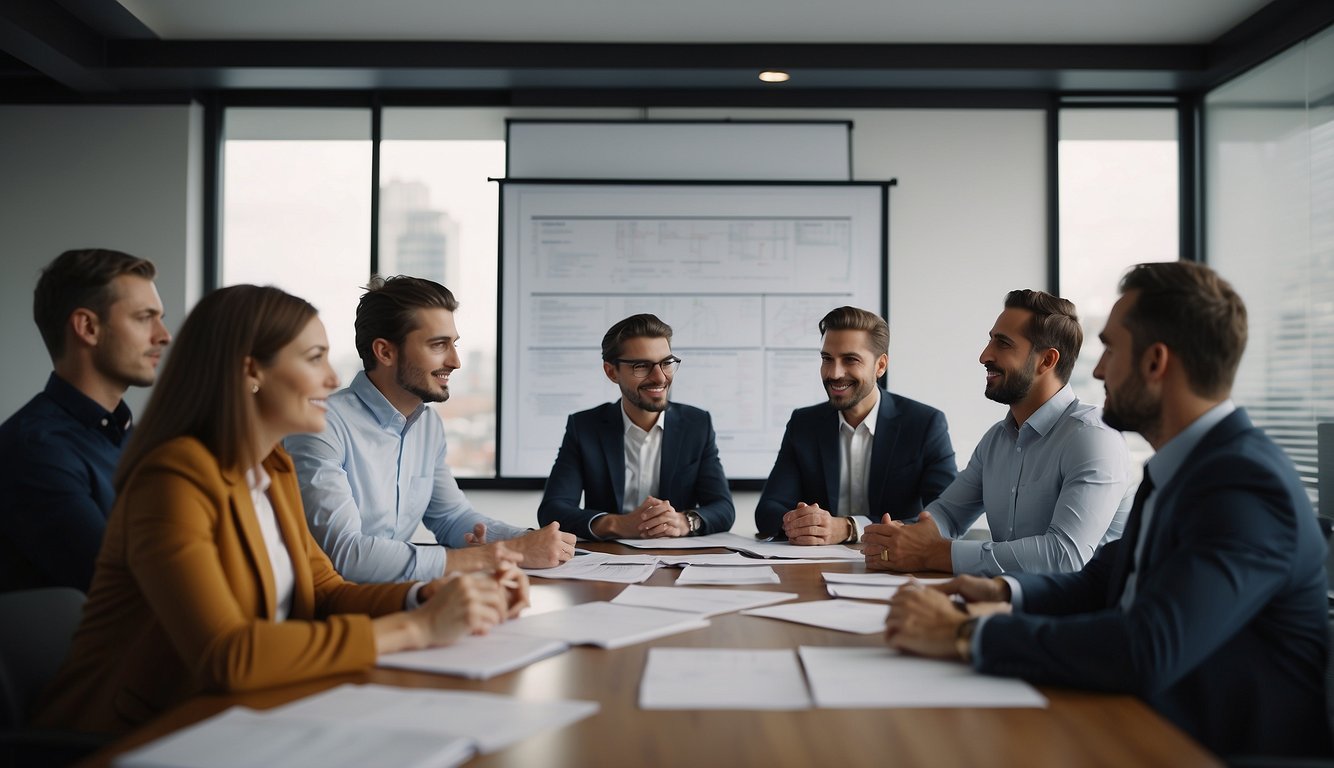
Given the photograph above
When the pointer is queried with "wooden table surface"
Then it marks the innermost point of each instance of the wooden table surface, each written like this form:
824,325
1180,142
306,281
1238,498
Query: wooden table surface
1076,729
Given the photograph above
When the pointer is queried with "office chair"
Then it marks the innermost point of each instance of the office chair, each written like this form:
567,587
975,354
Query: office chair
36,627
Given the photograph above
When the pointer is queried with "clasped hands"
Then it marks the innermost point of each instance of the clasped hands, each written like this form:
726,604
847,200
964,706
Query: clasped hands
468,603
543,548
652,519
925,619
893,545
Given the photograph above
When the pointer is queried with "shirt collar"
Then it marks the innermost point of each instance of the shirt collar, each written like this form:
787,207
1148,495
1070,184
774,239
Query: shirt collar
1169,459
84,409
1045,417
869,422
379,406
627,424
258,480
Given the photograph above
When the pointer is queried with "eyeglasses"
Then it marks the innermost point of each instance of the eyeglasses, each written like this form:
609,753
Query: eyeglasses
640,368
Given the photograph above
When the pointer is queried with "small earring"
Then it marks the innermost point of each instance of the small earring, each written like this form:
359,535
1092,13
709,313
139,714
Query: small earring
254,389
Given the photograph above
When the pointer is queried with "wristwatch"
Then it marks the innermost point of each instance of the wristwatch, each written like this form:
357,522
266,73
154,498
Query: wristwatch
963,639
694,522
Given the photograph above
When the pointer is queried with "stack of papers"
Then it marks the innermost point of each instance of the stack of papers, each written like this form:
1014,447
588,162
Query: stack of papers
738,543
476,657
599,566
843,615
359,725
727,574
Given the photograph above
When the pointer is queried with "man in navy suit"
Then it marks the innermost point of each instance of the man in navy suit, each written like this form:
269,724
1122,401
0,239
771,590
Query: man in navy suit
864,454
1212,605
647,467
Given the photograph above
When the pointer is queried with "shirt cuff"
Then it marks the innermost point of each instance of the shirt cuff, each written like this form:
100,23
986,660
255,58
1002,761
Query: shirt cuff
966,556
860,524
413,599
431,562
1016,593
593,536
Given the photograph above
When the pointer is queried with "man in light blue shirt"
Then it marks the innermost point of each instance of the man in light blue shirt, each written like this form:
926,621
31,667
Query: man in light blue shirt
379,469
1051,477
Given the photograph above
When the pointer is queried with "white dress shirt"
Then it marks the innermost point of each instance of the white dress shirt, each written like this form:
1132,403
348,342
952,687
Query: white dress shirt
854,466
643,461
280,561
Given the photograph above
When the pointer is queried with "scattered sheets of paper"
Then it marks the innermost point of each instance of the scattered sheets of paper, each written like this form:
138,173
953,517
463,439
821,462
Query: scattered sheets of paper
604,624
727,574
843,615
853,678
476,657
699,600
710,678
599,566
877,579
726,540
737,559
360,725
776,549
860,591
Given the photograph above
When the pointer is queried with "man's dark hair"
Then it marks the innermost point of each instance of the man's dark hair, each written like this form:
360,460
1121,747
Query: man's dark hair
633,327
80,279
854,319
388,310
1193,311
1054,325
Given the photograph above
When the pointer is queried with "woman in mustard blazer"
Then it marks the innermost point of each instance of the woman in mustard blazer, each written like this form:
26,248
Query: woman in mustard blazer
208,580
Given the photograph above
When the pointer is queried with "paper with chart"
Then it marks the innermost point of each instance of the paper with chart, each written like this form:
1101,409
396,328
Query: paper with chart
699,600
842,615
476,657
712,678
604,624
857,678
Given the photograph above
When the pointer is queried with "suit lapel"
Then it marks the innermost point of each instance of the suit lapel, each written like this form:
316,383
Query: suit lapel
827,444
886,437
612,438
671,449
243,517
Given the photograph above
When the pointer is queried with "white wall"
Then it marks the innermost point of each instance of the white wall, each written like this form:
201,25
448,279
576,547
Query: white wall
126,178
967,221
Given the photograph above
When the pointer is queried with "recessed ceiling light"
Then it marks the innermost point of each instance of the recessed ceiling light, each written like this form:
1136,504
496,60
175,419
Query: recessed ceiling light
774,76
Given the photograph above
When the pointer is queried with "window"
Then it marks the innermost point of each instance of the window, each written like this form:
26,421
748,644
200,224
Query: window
1270,230
1119,176
296,211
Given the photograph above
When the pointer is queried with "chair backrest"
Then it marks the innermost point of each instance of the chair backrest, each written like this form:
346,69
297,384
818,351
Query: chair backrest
36,626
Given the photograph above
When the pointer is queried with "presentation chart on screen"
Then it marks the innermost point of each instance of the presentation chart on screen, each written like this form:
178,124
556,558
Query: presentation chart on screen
741,272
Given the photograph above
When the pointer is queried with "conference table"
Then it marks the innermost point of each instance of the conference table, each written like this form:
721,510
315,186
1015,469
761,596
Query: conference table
1076,728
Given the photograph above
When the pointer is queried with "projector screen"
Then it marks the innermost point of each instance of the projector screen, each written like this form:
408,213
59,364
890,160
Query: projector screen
742,272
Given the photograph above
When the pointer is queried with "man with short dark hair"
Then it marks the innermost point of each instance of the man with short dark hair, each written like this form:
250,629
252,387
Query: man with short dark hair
102,322
867,454
646,467
378,469
1051,477
1212,607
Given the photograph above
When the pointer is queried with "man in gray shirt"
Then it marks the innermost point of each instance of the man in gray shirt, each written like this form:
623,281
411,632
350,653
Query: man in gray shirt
1052,478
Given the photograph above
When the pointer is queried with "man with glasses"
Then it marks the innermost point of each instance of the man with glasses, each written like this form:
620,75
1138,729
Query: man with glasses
865,455
646,467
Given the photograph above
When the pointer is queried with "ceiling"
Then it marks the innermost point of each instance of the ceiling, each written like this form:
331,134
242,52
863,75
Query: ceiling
637,52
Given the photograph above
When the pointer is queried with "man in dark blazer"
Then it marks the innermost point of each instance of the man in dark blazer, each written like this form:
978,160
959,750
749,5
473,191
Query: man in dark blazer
865,453
646,467
1212,605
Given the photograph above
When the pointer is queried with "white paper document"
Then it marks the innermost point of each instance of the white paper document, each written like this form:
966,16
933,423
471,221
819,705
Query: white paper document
699,600
476,657
241,736
843,615
860,591
726,539
598,566
877,579
739,543
604,624
491,721
737,559
710,678
854,678
727,574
